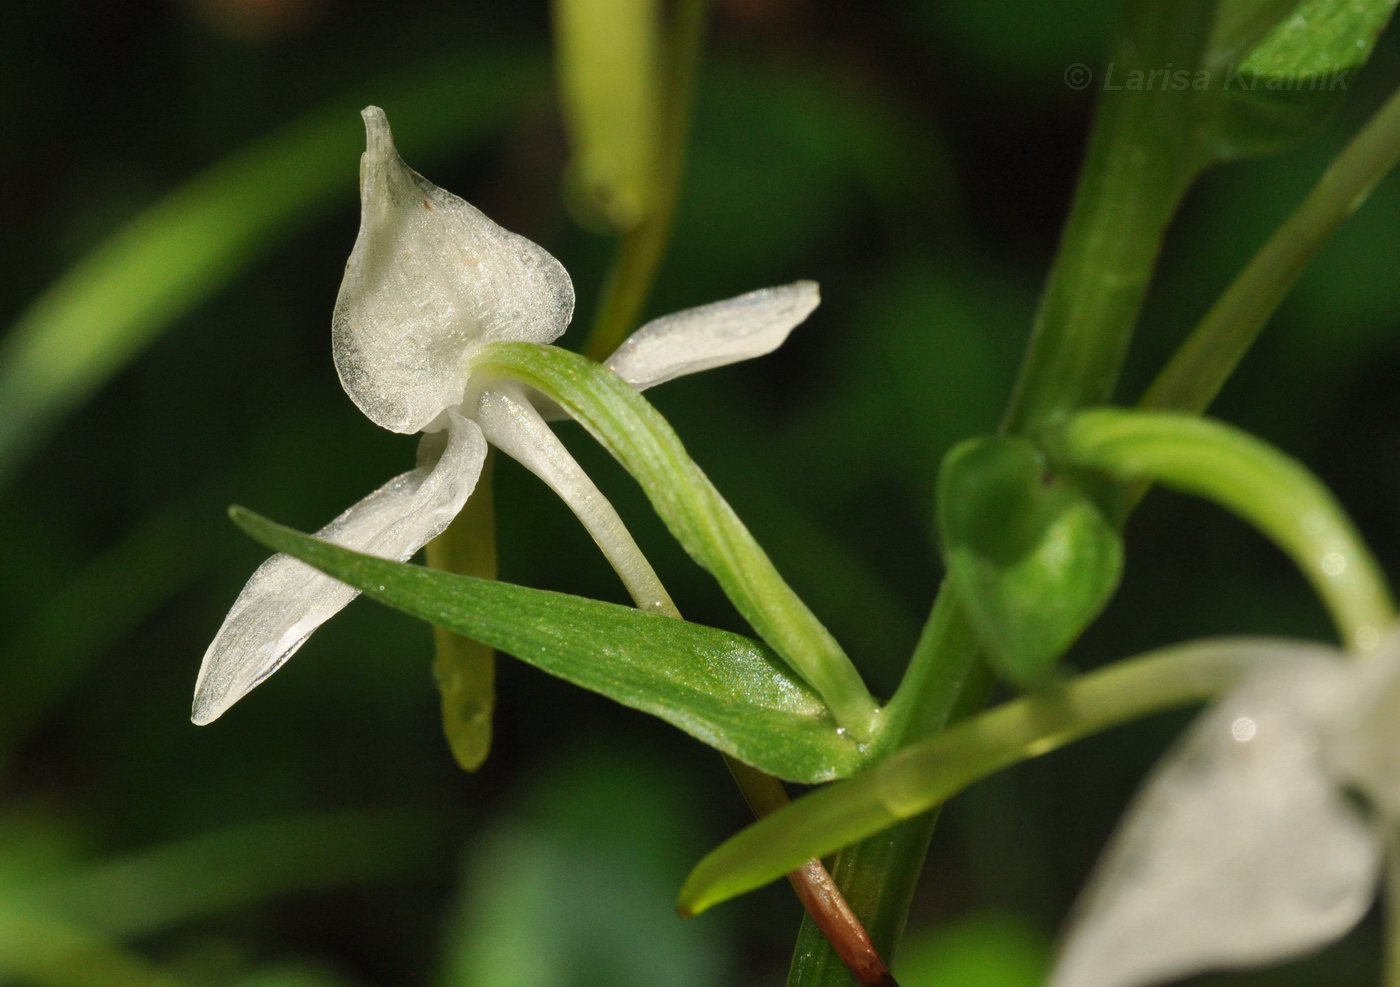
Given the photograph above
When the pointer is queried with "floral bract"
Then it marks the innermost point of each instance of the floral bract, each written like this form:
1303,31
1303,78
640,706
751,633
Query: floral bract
430,281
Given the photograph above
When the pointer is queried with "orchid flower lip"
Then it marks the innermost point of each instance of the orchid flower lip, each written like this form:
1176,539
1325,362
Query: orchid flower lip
1244,846
429,283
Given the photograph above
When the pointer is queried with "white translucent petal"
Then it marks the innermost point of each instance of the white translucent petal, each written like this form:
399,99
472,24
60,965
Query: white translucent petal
1239,851
512,425
286,599
431,278
713,335
1364,745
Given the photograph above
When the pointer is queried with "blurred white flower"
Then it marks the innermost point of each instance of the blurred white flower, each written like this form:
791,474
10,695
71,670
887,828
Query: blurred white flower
429,282
1260,836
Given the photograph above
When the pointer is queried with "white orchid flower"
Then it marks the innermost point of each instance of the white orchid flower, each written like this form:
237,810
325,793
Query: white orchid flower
1246,846
430,281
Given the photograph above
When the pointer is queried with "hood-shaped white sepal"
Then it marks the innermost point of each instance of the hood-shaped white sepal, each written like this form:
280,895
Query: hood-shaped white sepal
430,279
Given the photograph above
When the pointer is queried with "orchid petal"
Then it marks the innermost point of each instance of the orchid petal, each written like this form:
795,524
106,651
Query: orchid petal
1364,743
431,277
512,425
286,600
1240,850
713,335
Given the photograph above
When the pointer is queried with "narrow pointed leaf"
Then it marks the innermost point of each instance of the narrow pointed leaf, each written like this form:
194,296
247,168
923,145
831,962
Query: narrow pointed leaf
728,691
925,774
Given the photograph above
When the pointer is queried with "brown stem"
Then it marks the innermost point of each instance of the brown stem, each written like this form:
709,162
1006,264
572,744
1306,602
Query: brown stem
816,888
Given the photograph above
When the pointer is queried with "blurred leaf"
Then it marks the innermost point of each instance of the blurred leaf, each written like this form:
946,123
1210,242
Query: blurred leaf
1033,557
989,950
726,690
1285,86
155,889
116,300
1321,36
782,159
608,54
575,895
113,594
44,949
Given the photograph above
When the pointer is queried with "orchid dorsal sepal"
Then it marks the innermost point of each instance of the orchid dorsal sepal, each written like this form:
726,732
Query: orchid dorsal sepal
925,774
431,278
1267,488
696,514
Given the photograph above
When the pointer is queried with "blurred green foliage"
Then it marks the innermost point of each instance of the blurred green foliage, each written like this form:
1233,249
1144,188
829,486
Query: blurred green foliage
916,158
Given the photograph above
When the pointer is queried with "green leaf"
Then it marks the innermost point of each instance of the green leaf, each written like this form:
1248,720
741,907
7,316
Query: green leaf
726,690
116,300
1033,557
695,513
927,773
1287,84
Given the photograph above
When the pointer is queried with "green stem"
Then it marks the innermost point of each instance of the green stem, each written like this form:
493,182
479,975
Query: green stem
1141,159
1210,354
945,682
923,775
1272,491
696,514
1143,154
641,250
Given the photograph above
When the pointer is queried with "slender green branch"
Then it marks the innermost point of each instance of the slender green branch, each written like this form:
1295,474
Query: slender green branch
1272,491
641,250
924,775
1210,354
696,514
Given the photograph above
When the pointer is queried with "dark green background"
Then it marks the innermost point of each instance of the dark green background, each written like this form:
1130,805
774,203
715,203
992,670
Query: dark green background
916,159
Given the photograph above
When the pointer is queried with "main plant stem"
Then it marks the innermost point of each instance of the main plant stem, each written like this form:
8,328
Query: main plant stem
1143,155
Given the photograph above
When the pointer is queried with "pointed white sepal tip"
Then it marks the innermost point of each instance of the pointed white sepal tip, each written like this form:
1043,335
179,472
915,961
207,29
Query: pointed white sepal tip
714,335
286,600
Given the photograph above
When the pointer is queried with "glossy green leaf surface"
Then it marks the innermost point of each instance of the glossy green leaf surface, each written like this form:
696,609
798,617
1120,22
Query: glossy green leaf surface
1033,557
726,690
